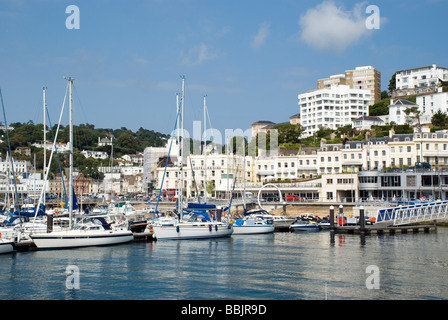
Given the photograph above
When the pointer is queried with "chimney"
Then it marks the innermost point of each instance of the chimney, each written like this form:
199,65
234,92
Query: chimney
391,132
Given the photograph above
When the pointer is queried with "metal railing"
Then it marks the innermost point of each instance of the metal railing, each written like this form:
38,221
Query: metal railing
422,212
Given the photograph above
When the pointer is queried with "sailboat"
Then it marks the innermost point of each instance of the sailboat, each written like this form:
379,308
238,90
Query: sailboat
94,232
6,246
203,223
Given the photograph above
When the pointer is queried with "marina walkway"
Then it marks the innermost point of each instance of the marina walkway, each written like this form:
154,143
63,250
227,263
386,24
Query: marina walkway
415,213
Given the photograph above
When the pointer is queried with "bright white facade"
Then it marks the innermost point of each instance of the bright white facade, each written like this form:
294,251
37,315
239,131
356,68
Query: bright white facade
397,112
432,102
366,122
419,81
332,107
95,154
420,77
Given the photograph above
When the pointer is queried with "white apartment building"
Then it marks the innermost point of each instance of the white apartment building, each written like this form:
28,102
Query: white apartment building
366,78
420,80
332,107
20,166
430,103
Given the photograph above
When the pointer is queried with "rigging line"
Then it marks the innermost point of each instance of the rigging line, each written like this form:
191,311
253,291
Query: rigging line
10,155
79,100
168,158
57,154
52,152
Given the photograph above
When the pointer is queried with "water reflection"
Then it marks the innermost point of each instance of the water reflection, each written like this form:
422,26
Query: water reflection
280,266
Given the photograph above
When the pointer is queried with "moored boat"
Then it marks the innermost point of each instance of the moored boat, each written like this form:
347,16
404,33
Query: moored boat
200,225
96,232
6,246
253,224
304,225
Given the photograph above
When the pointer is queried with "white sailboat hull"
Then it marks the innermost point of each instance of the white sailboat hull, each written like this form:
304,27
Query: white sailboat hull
183,231
253,229
6,246
79,238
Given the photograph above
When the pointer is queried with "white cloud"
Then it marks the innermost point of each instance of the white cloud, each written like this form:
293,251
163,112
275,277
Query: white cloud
198,54
261,36
328,27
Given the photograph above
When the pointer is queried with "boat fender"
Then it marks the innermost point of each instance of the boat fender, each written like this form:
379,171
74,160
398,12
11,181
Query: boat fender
177,228
230,221
0,234
210,227
216,227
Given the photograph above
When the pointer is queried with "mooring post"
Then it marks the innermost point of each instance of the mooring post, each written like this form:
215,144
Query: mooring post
362,225
331,224
331,218
341,216
362,222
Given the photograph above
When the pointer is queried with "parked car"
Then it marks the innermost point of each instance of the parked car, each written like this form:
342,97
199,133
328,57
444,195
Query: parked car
292,197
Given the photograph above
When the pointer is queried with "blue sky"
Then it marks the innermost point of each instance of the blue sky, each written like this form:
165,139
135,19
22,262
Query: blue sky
251,58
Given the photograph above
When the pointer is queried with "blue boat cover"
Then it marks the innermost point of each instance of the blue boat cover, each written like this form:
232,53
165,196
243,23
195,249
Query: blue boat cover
200,206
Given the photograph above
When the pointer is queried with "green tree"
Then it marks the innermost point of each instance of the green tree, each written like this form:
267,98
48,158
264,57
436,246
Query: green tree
126,143
440,119
288,133
392,83
380,108
415,113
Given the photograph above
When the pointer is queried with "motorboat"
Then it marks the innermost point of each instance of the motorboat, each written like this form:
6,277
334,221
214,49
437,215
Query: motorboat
95,232
253,224
305,225
282,222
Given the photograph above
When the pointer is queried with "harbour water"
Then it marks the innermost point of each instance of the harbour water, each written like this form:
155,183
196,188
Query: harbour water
279,266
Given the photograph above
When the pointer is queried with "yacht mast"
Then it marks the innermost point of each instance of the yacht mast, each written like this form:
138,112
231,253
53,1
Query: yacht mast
181,150
205,150
45,144
70,199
